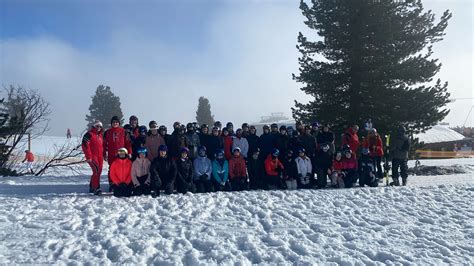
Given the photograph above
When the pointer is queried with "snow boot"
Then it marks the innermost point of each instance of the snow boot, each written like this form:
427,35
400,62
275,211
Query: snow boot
154,194
395,182
97,192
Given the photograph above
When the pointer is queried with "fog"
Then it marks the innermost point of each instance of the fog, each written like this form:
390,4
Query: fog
238,54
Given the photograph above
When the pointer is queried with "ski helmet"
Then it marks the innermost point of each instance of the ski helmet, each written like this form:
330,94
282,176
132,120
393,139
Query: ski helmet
282,128
203,126
184,150
301,150
142,129
142,151
275,152
266,127
274,125
122,151
220,153
236,149
163,148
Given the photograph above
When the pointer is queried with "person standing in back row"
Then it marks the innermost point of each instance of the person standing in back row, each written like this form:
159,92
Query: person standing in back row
399,148
92,147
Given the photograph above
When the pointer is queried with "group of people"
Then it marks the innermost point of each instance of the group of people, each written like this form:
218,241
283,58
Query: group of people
202,159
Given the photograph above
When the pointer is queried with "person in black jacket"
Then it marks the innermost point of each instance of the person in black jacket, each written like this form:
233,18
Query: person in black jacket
294,142
139,142
214,144
266,143
184,174
326,136
178,141
204,136
399,148
290,173
367,170
308,142
282,142
323,162
162,130
253,140
255,170
163,171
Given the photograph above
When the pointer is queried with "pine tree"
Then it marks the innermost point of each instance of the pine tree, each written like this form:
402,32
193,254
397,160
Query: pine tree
203,113
374,61
105,104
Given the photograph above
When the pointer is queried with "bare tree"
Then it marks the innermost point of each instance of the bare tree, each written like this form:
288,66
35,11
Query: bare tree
67,155
28,113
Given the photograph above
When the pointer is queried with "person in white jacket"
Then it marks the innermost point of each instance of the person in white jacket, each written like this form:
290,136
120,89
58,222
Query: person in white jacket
141,178
304,169
240,142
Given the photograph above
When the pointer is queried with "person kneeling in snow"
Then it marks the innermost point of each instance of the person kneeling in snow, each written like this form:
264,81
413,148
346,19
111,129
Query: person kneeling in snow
238,171
203,172
120,174
304,169
335,172
274,171
184,177
163,170
289,173
141,177
220,172
367,169
350,167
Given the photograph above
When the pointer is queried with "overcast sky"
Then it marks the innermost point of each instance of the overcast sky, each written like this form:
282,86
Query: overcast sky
160,56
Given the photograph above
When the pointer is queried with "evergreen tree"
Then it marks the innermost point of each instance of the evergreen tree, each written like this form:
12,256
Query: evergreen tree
203,113
6,128
104,106
374,60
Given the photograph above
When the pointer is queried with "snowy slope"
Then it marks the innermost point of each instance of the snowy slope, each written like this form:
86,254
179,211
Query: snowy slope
46,220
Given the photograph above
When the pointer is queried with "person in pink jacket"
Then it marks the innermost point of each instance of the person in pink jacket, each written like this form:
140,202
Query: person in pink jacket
141,177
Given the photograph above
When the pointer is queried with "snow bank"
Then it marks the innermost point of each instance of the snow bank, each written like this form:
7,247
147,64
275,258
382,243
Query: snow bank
418,224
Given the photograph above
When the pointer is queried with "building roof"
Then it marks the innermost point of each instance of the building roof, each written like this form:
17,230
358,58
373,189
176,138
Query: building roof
439,133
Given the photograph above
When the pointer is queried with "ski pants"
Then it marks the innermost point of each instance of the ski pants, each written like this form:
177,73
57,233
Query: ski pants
203,186
142,189
402,165
291,184
96,167
239,184
122,190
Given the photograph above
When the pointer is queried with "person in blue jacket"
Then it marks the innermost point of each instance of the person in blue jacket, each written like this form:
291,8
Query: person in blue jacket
220,172
202,172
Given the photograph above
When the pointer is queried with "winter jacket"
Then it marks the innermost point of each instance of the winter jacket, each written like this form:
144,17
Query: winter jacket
337,165
266,144
29,157
241,143
282,144
255,169
114,139
220,171
140,142
294,143
325,137
273,166
121,171
237,168
215,143
93,145
178,141
140,168
153,142
323,160
366,164
202,166
252,140
350,164
193,141
290,169
227,147
375,146
399,147
205,139
309,144
350,138
164,169
303,166
184,170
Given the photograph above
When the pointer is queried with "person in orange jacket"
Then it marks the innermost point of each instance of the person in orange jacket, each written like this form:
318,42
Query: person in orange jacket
121,174
92,146
375,145
29,159
274,171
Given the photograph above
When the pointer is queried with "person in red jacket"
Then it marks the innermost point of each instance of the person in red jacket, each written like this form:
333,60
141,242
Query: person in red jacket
375,145
92,146
114,139
227,140
350,138
238,171
29,159
274,171
121,174
336,171
350,167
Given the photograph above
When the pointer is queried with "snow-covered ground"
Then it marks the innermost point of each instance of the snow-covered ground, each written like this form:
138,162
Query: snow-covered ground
52,220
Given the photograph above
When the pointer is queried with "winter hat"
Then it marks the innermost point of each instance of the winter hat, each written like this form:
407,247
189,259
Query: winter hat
236,149
122,150
163,148
301,150
133,118
282,128
275,152
184,150
114,119
152,124
97,123
365,151
142,129
274,125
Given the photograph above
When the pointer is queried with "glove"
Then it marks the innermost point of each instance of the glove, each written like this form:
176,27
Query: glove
222,183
